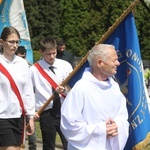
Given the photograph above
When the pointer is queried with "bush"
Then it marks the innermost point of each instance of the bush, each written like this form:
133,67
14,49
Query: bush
36,56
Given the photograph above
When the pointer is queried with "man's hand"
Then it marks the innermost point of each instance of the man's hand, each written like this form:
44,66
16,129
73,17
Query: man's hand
36,116
60,89
111,128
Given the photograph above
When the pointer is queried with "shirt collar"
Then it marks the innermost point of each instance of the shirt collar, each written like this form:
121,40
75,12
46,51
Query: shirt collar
48,65
15,60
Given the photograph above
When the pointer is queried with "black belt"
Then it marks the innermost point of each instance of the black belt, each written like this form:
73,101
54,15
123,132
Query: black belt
51,112
48,110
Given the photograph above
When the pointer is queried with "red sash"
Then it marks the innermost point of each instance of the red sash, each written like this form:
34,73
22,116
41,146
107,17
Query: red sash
13,86
47,77
16,91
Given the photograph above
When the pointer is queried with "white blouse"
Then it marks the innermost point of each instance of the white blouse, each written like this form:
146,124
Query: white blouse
9,103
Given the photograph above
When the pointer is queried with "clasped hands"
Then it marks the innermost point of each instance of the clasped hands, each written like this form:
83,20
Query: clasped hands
111,128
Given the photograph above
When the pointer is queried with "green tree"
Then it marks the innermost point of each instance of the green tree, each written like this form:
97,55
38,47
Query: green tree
43,19
82,23
85,22
143,26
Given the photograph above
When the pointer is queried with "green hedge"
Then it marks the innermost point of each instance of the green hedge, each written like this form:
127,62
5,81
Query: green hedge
36,56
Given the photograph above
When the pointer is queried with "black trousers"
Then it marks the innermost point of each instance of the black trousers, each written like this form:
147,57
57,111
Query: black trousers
50,125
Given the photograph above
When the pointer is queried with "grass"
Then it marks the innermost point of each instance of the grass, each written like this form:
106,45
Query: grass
38,131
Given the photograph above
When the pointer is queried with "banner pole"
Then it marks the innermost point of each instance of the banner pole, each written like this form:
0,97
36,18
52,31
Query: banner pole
144,4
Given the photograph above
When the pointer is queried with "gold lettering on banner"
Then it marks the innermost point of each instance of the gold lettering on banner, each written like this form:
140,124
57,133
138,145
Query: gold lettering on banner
136,121
133,124
134,57
143,113
140,118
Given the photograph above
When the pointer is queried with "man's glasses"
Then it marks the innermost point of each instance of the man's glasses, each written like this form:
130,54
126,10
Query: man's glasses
14,42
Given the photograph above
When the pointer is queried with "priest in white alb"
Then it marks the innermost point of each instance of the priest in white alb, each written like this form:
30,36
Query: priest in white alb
94,114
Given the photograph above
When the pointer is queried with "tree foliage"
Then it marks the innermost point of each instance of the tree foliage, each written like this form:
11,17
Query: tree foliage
143,27
43,19
82,23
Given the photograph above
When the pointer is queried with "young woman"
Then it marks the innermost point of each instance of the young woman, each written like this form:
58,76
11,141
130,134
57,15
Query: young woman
16,92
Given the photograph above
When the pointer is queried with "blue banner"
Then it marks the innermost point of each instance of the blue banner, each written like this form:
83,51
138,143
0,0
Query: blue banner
78,74
131,81
12,13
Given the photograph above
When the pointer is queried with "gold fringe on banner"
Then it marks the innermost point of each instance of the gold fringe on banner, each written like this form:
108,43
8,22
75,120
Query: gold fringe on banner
144,145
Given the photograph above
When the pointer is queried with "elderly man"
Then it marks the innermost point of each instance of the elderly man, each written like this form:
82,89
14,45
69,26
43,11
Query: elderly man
94,114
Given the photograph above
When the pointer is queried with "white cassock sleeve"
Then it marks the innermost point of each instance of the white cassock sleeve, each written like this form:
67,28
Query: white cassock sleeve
75,128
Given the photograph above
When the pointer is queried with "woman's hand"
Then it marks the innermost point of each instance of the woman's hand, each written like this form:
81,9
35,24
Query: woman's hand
30,130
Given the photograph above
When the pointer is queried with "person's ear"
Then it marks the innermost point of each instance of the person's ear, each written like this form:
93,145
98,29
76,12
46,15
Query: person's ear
99,62
40,51
1,42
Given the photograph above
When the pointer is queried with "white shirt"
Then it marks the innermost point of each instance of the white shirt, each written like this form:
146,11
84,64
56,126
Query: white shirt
9,103
43,90
84,112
